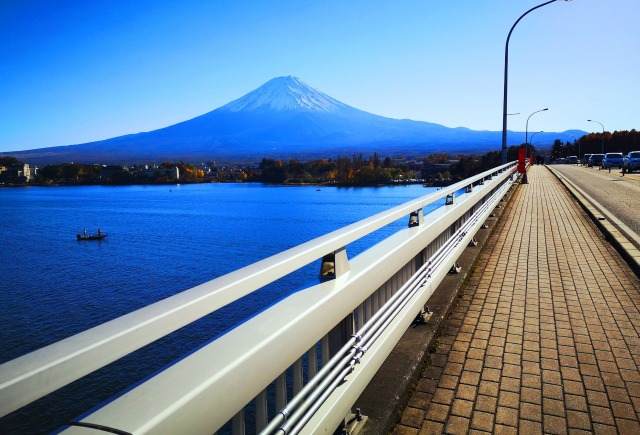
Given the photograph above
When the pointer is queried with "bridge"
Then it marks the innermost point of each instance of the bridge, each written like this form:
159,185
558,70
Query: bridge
317,360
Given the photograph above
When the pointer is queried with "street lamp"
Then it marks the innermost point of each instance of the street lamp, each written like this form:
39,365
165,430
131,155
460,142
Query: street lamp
526,131
591,120
532,139
574,142
506,70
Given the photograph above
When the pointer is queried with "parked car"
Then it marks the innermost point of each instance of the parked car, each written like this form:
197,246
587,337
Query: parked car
595,160
585,159
631,161
612,160
573,160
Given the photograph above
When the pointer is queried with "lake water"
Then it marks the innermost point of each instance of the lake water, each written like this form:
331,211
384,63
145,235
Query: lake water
161,240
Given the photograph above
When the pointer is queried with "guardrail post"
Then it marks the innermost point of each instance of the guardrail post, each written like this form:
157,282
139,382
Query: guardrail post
416,218
334,264
450,198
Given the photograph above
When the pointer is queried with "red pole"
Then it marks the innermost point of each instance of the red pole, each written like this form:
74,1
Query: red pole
522,165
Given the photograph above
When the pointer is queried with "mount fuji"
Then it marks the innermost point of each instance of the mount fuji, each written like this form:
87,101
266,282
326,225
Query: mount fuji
283,118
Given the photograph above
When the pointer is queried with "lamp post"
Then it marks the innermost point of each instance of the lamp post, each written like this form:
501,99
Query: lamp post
532,135
574,142
506,71
591,120
526,131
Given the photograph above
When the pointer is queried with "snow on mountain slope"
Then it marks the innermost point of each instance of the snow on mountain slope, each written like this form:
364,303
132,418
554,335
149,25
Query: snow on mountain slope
283,94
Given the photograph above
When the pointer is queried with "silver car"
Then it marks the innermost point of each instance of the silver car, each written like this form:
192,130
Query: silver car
631,161
612,160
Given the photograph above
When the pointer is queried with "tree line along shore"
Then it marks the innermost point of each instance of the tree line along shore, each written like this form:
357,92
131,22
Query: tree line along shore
435,168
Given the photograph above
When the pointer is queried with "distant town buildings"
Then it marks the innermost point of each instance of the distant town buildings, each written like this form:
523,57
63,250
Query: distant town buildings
358,170
17,174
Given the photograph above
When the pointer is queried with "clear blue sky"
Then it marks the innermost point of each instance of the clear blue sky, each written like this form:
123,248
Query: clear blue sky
74,71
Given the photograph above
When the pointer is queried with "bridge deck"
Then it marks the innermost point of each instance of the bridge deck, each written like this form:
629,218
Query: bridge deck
546,336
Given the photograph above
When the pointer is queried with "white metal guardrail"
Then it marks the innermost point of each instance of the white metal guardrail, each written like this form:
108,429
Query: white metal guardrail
299,365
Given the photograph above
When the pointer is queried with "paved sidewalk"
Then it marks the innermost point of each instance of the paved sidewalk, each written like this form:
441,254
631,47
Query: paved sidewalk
546,336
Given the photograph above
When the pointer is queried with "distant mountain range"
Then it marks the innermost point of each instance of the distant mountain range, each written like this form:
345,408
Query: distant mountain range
283,118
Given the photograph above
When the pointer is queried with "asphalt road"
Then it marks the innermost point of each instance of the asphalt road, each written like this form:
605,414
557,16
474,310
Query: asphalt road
619,195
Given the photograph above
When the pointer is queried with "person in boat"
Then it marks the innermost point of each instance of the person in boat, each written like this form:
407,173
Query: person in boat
99,232
85,233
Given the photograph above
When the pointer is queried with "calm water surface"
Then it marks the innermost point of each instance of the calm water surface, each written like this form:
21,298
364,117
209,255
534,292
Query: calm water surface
162,240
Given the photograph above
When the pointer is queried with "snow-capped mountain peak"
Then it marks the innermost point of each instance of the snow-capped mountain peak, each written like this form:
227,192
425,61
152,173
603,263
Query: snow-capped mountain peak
284,94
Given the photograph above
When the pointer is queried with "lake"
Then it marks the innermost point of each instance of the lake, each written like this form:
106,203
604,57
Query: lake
161,240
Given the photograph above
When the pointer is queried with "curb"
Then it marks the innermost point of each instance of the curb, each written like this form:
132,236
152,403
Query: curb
386,396
602,219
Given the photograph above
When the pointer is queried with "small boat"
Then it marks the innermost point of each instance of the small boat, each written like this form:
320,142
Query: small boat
86,236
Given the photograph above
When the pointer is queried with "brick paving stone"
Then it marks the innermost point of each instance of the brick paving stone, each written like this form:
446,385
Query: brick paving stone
603,429
578,420
510,384
531,411
427,385
574,387
404,430
457,425
530,427
552,391
628,426
486,403
509,399
541,340
576,403
462,408
420,400
448,381
618,394
551,376
554,425
412,417
431,428
482,421
500,429
507,416
553,407
437,412
489,374
593,383
443,396
470,378
467,392
531,395
623,410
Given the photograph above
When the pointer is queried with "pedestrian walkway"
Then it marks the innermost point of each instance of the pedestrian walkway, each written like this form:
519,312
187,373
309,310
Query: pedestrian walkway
546,335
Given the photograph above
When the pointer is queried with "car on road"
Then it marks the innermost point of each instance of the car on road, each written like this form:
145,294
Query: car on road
572,160
585,159
595,160
612,160
631,161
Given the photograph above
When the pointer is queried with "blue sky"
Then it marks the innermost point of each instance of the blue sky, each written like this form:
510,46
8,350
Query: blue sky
74,71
